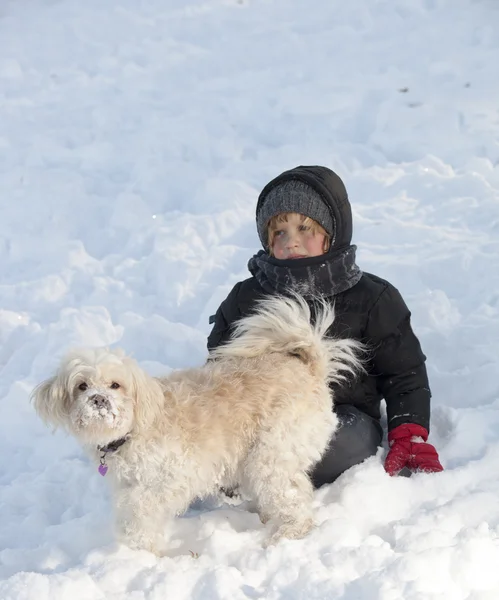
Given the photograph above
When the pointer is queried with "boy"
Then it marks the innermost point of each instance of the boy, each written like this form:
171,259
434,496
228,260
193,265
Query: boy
304,222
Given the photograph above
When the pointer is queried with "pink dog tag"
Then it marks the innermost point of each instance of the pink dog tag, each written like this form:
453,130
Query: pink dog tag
102,469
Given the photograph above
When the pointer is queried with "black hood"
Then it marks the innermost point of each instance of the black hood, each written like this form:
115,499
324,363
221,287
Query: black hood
331,188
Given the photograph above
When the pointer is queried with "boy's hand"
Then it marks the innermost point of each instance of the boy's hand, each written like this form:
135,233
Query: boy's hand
408,448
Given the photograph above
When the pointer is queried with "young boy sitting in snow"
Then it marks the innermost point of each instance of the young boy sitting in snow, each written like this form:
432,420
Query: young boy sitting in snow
304,222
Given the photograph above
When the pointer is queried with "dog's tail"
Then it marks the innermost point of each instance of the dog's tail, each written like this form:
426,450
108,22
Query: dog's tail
283,324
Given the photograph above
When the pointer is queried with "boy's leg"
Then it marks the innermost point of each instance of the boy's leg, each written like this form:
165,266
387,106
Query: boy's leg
357,438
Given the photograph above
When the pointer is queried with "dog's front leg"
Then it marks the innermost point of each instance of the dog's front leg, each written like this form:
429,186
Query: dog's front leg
141,520
143,516
140,528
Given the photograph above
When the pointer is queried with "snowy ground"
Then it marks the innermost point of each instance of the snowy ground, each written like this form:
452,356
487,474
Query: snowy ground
134,139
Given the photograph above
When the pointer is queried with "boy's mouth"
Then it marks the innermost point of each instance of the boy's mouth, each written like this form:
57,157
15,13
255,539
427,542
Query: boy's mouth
292,256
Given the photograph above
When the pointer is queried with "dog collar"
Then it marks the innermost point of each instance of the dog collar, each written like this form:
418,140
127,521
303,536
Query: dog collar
109,449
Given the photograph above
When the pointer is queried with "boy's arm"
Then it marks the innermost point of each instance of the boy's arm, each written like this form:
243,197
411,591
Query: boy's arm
228,312
399,364
398,361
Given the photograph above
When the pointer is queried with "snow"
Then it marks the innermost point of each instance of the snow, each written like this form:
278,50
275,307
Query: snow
134,139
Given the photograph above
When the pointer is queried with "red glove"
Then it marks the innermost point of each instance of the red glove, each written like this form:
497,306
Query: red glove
408,448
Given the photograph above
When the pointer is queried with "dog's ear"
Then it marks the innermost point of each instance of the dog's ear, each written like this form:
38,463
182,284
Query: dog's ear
50,399
147,394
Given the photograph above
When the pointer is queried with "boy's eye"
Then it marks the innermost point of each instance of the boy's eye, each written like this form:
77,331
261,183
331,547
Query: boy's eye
83,386
279,232
115,386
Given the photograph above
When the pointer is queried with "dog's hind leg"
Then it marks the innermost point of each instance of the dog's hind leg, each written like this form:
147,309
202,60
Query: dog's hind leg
282,489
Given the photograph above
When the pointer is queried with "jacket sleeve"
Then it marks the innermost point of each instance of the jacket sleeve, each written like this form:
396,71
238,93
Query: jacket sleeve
227,314
398,361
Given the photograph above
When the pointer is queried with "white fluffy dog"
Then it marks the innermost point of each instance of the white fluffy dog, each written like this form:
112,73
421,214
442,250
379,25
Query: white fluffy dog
258,416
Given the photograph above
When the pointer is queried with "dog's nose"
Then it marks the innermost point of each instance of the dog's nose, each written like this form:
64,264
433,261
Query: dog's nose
99,401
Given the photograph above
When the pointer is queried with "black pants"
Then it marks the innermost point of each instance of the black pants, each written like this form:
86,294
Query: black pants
357,438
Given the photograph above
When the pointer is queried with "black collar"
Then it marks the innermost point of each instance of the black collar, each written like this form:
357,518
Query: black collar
113,446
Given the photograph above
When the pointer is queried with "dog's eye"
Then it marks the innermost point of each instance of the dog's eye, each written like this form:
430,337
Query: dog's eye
115,386
83,386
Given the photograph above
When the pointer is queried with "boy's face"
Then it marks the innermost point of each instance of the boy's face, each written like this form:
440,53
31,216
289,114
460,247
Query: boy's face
295,239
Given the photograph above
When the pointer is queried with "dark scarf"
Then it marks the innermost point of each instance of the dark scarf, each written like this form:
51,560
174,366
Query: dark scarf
325,275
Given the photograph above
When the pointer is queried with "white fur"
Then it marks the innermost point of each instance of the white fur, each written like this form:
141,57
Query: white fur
259,416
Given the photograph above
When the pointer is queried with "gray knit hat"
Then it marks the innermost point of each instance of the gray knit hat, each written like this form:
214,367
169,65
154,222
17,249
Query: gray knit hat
293,196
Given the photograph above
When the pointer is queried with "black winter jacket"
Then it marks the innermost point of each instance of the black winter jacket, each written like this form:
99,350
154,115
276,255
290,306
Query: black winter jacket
374,312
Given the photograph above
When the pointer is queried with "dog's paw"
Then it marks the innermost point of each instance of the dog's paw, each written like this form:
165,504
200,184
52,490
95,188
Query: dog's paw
154,546
290,531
